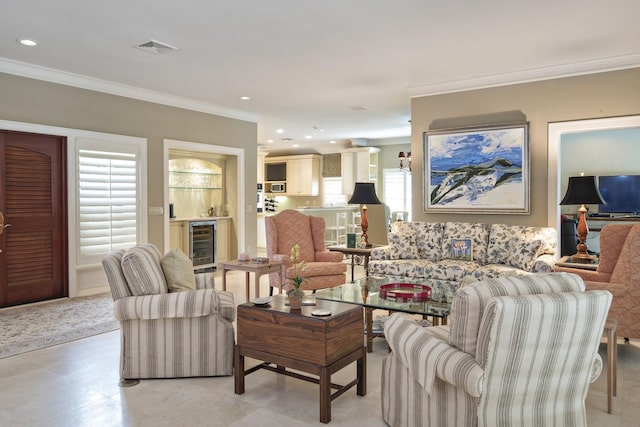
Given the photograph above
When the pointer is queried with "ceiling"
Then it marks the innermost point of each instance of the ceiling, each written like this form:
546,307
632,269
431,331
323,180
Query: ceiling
325,71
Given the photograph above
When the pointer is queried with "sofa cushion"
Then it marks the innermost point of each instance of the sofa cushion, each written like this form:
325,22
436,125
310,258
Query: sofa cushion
178,271
501,235
470,301
523,252
403,246
477,232
141,268
428,237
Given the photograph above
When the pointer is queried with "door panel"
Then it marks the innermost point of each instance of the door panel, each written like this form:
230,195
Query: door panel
33,261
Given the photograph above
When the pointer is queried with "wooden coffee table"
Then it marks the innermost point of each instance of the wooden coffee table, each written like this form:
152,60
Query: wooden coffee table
298,340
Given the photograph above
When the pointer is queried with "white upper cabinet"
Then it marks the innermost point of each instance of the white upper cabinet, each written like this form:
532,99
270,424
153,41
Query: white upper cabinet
359,165
302,174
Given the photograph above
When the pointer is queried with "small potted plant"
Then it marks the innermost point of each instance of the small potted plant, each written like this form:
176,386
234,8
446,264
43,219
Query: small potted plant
295,294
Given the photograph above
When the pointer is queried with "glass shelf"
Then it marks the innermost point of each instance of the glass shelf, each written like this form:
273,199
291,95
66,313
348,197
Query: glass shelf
195,180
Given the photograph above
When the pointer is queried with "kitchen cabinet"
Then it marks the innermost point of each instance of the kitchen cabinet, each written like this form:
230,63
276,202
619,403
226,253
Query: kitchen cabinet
302,174
177,237
358,165
222,239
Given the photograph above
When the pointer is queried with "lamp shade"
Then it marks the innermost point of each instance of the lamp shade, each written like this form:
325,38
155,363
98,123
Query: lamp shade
582,190
364,193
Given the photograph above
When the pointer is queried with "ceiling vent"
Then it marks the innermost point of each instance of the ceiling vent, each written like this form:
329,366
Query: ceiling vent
156,47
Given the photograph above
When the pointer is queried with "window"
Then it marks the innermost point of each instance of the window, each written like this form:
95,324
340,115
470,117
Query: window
108,196
397,191
332,192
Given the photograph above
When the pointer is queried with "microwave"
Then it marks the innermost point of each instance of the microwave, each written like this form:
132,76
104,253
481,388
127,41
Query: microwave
278,187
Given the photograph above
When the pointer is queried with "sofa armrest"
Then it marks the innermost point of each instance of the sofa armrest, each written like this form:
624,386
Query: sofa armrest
381,253
544,264
328,256
202,302
427,356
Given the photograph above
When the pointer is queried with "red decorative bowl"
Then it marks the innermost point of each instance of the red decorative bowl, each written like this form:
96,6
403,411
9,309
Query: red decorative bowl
405,292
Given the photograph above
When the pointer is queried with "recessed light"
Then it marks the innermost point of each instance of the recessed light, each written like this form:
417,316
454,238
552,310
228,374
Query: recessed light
307,136
332,142
27,42
295,145
279,130
270,141
245,98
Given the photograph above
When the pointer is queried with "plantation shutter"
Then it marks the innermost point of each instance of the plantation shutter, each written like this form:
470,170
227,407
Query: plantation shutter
397,190
107,185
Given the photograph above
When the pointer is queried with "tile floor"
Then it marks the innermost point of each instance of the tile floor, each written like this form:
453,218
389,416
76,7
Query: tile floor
76,384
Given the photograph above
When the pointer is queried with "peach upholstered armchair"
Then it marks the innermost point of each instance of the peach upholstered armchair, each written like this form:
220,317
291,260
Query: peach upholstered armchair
324,269
619,273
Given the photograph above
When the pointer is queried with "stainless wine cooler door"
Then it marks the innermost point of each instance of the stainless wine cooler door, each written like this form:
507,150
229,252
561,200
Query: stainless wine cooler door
202,244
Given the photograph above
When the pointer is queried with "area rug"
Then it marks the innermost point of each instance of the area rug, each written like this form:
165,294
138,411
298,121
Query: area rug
42,325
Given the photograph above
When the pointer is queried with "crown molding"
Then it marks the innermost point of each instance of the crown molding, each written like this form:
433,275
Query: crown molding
527,76
24,69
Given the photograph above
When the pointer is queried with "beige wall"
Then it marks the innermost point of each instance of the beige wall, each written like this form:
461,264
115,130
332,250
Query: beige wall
573,98
39,102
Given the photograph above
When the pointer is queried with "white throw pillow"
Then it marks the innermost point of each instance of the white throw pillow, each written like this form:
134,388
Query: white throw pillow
178,270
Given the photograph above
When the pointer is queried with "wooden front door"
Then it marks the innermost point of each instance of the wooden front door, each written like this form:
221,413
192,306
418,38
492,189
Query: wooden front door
33,249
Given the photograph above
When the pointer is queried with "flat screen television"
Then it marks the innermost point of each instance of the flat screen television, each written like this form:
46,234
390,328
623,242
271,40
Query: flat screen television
621,192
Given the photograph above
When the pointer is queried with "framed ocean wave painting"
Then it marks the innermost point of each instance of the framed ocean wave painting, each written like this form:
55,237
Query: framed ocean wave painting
482,170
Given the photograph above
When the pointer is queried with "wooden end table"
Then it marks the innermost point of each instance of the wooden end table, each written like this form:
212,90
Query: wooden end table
258,268
298,340
611,337
364,252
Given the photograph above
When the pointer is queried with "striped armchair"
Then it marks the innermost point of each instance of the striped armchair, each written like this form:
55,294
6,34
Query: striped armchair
519,352
169,335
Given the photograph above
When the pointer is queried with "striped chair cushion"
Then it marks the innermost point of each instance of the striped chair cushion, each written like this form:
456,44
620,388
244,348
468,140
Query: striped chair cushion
142,270
112,265
168,305
469,302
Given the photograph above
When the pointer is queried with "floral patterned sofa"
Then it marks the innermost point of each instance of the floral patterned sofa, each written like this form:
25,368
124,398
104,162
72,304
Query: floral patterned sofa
424,249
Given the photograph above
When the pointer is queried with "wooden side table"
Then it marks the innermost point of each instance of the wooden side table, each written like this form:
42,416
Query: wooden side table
295,339
364,252
258,268
612,360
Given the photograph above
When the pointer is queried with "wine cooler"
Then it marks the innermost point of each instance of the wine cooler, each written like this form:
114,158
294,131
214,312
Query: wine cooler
202,245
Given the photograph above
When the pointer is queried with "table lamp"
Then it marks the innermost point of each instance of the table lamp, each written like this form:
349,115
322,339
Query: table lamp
364,193
582,190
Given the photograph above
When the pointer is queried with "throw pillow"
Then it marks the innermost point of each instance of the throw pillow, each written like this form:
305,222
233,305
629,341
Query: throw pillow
142,270
178,270
403,246
523,253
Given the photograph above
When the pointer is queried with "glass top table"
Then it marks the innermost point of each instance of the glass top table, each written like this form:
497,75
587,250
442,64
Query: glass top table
365,292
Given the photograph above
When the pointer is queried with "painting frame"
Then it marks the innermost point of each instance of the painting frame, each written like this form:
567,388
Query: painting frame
477,170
